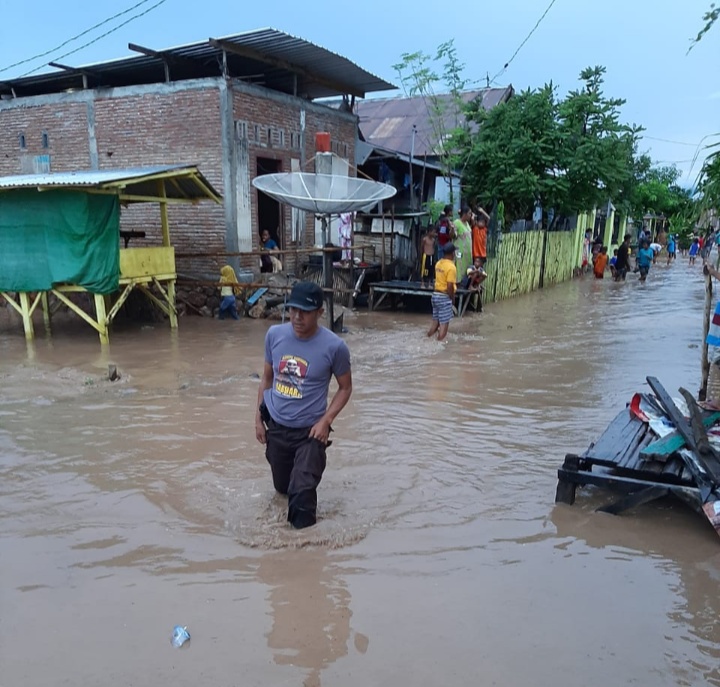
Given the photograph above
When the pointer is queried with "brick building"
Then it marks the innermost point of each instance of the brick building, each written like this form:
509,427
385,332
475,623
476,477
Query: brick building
236,107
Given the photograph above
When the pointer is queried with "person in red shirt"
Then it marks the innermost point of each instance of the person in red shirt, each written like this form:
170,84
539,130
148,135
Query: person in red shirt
445,227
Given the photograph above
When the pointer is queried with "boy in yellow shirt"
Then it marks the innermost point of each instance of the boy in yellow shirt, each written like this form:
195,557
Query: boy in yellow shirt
444,293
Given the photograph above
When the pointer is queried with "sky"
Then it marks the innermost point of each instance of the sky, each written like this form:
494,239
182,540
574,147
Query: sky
673,94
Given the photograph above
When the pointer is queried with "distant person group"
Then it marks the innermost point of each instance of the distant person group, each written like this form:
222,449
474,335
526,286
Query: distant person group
646,254
452,249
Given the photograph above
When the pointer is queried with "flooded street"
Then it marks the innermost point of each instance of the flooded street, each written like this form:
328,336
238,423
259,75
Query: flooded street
440,557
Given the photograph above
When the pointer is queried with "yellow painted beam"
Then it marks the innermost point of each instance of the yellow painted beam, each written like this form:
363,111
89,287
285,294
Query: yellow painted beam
35,302
11,301
184,172
171,301
27,319
162,192
101,318
159,199
78,311
204,187
170,298
147,279
46,311
134,198
154,299
119,302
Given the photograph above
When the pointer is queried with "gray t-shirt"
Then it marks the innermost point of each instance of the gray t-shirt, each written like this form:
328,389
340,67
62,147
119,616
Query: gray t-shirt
302,369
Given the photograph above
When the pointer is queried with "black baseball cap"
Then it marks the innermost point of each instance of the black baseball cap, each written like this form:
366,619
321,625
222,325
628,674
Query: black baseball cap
305,295
449,248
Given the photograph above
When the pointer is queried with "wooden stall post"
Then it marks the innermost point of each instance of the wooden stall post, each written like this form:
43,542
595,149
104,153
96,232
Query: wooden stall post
164,212
26,316
46,311
101,316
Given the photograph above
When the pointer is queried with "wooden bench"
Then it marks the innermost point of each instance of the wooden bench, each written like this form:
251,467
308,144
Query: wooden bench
397,289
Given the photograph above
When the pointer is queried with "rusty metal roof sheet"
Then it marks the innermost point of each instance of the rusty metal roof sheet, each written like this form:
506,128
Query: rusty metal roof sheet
187,181
272,59
388,122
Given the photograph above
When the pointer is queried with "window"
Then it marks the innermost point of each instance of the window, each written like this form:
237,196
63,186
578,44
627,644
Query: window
41,164
269,136
256,136
45,140
281,138
23,143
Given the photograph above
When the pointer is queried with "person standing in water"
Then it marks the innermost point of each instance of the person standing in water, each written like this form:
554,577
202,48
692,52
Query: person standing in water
444,293
293,418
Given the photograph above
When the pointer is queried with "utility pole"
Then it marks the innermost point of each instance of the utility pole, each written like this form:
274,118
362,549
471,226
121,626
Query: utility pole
412,155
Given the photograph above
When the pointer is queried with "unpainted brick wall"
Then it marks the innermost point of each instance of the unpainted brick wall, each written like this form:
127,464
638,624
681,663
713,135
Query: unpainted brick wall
273,131
66,126
178,127
172,126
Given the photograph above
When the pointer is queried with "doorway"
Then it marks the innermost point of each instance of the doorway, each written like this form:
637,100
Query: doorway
269,213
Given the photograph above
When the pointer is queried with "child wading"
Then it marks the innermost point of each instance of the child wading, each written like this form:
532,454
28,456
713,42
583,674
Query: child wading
444,294
427,264
600,263
694,250
644,260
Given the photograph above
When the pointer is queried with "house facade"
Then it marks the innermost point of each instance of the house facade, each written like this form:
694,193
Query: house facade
236,107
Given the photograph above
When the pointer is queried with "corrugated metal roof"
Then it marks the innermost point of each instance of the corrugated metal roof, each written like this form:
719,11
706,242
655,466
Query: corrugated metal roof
136,181
334,74
388,122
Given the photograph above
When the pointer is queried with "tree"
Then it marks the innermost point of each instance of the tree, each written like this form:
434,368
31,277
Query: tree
445,109
657,191
566,155
710,17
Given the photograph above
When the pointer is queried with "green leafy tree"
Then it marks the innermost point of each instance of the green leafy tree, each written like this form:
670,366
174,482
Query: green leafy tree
442,95
658,192
566,155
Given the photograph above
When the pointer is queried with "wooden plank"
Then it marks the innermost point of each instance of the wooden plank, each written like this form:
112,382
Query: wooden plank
627,484
613,442
665,447
697,465
635,499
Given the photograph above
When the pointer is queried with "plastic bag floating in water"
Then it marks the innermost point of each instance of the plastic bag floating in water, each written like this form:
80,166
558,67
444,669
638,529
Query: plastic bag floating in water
180,635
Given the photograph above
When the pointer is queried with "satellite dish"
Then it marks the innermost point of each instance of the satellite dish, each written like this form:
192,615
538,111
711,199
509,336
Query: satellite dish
323,194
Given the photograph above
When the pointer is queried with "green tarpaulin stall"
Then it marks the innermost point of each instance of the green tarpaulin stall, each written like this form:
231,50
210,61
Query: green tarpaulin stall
58,236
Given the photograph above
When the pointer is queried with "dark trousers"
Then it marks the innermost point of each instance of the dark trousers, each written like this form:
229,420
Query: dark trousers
297,463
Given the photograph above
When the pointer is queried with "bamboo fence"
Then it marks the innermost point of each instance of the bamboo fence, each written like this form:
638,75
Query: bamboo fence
518,266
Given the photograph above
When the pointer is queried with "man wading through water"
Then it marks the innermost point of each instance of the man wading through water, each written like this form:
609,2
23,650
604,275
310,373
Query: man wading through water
293,418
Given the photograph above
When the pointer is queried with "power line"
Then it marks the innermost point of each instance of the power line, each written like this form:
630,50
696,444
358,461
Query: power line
74,38
527,38
100,37
667,140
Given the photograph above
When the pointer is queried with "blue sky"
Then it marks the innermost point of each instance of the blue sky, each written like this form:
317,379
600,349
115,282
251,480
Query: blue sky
643,44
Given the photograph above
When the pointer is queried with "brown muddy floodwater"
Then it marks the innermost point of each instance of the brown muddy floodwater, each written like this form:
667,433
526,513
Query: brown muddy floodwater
440,558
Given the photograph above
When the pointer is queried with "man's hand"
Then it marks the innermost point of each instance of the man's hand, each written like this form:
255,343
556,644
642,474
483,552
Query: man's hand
320,430
260,431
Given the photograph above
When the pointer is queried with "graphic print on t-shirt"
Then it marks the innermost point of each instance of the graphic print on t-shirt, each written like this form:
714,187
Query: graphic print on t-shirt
291,376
